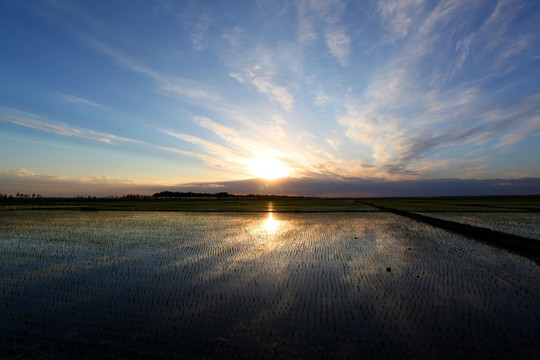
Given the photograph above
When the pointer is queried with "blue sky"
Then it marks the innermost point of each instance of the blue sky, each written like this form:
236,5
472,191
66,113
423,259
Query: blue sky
114,97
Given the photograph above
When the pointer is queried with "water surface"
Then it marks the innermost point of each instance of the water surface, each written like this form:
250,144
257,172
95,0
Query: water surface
253,285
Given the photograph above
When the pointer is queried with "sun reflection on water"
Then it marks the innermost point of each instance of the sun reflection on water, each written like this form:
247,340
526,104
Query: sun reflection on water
270,224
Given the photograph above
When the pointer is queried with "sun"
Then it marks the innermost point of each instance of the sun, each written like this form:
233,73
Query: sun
269,168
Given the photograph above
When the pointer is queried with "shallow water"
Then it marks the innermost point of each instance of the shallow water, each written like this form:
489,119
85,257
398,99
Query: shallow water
526,224
247,285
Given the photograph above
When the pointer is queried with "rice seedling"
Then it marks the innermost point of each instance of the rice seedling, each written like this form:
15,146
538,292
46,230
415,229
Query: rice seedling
149,284
526,224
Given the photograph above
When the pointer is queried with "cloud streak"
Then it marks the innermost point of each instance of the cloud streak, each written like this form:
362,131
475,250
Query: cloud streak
35,122
78,100
174,84
327,15
263,82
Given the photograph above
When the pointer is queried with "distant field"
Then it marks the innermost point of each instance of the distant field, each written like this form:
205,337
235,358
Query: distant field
463,204
196,205
457,204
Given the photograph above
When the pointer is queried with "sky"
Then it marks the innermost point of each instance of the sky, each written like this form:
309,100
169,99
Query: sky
115,97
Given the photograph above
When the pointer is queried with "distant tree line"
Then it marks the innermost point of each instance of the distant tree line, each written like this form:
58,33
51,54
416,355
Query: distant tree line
190,195
135,197
219,195
161,195
20,196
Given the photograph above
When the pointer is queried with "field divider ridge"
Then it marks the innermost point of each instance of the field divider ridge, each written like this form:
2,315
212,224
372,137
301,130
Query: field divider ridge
523,246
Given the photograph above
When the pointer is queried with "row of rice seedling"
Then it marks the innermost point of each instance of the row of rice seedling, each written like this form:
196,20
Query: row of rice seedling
229,285
526,224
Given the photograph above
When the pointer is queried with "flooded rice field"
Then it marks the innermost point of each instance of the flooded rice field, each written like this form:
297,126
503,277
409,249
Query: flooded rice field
526,224
256,285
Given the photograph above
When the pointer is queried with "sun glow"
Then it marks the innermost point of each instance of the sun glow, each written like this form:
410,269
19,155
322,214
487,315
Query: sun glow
269,168
270,224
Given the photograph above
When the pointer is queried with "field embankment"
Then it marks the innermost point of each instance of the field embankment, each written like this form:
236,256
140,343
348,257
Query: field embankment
520,245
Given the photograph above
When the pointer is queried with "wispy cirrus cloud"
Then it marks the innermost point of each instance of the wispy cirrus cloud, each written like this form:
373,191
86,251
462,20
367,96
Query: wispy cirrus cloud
237,156
79,100
416,107
234,36
339,44
224,155
400,15
239,150
213,154
327,15
401,145
212,161
262,80
199,30
36,122
192,90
